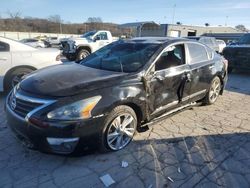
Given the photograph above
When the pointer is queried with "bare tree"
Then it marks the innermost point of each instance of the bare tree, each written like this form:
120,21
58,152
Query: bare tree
94,20
241,28
14,15
55,18
94,23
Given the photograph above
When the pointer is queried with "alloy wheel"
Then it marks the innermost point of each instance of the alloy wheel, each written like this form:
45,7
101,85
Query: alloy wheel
121,131
214,90
16,79
83,55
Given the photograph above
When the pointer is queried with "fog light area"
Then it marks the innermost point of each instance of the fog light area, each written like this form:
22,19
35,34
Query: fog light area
63,145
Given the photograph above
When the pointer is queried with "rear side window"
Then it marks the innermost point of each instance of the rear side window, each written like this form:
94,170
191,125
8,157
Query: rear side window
4,47
197,53
210,53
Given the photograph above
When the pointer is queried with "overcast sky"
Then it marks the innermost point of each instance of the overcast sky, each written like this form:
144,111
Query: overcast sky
194,12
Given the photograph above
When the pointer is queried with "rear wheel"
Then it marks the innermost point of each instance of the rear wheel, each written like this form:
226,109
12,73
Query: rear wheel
213,92
119,129
14,77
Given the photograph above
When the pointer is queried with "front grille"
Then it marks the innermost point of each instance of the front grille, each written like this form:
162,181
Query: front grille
22,107
66,47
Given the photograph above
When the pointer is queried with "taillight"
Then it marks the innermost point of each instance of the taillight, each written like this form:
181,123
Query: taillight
58,57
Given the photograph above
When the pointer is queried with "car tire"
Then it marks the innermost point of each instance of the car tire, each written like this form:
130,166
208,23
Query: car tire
82,54
14,77
213,92
70,57
119,128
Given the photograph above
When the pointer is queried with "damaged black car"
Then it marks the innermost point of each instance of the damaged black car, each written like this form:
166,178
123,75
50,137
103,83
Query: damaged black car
104,99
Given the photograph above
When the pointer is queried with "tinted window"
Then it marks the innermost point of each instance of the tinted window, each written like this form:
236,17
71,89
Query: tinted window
121,56
4,47
197,53
31,40
210,52
245,39
174,56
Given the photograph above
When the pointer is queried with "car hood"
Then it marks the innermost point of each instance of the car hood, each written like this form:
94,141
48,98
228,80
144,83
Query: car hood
68,79
239,46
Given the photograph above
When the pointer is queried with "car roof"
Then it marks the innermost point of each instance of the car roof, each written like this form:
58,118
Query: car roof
16,45
198,37
156,40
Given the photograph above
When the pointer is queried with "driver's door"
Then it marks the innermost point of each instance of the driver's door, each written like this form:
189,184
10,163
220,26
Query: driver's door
101,40
169,80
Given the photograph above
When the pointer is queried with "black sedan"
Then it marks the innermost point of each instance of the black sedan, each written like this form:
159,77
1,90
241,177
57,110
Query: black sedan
103,100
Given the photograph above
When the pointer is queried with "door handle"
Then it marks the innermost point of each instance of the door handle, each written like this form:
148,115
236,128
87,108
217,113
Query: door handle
3,58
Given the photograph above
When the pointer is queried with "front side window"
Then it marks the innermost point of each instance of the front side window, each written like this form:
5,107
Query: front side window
4,47
121,56
197,53
102,36
172,57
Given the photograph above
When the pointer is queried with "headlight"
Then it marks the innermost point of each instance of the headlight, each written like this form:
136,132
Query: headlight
77,110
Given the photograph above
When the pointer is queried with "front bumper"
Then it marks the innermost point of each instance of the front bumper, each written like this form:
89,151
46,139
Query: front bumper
68,48
55,137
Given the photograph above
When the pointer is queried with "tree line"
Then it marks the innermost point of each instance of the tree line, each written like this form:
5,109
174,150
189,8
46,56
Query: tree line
54,24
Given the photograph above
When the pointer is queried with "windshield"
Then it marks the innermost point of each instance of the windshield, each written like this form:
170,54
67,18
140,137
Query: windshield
121,56
245,39
88,34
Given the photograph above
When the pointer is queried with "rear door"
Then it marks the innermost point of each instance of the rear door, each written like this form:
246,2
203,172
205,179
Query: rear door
168,80
201,67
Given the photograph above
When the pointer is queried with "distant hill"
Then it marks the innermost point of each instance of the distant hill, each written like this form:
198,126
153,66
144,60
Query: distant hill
46,26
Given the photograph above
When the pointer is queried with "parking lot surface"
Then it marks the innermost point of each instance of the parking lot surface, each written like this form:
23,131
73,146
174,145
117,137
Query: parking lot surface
206,146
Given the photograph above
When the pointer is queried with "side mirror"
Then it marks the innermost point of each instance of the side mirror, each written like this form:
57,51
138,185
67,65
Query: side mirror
97,38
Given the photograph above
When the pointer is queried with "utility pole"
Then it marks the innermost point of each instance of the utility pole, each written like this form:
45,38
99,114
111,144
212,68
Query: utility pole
60,26
172,21
173,13
226,20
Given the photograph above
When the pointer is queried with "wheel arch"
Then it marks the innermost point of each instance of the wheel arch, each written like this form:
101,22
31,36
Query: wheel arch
138,109
85,48
13,69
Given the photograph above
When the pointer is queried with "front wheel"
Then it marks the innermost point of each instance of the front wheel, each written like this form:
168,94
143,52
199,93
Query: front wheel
119,129
213,92
14,77
82,54
70,57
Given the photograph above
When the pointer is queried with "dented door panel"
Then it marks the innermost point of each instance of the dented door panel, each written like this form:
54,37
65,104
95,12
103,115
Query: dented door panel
168,88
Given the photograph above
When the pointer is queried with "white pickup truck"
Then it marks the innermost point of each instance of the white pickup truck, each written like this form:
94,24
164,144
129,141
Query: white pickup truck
76,49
